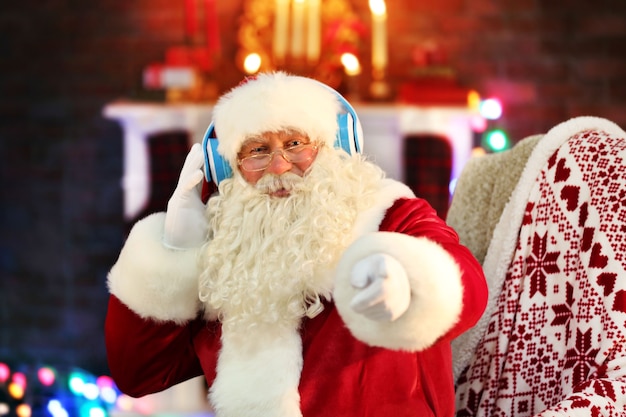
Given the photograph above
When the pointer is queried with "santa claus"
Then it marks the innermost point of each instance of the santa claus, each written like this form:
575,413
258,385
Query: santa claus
308,285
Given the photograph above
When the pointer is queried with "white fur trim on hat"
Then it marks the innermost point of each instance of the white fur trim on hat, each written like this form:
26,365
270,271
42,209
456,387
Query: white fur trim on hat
271,102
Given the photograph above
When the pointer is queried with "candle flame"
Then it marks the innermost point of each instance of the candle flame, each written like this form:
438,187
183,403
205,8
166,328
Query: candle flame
378,7
351,64
252,63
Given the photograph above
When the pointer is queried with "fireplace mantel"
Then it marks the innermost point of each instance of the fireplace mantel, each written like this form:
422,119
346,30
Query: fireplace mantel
384,126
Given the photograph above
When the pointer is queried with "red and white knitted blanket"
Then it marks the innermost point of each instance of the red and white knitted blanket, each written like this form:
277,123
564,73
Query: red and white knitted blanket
553,339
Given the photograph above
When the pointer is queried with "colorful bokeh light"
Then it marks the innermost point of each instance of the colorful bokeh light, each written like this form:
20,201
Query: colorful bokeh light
46,376
491,108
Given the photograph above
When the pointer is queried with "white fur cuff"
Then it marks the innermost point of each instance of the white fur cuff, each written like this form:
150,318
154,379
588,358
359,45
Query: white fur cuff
436,292
153,281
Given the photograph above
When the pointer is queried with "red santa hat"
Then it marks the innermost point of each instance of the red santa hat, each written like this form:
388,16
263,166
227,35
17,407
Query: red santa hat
272,102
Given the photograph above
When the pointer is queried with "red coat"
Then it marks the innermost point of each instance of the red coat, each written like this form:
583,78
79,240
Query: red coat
341,375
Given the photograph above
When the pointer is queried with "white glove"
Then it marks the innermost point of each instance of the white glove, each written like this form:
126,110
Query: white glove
385,291
185,222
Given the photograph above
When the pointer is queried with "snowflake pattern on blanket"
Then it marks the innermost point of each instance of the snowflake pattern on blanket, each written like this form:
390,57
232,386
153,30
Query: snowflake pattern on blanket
555,344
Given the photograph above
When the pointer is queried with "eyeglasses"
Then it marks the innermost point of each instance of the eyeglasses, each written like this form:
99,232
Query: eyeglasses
293,154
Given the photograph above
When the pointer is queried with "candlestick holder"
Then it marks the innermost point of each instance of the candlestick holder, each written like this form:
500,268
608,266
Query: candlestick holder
297,36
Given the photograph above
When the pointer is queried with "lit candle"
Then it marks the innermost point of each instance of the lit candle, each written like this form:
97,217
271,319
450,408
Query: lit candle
297,33
379,34
281,28
313,35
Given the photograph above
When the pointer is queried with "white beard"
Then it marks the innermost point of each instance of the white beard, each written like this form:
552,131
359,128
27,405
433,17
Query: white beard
268,260
269,257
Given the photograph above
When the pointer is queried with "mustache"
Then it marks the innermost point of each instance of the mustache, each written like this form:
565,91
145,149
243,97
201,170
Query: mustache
271,183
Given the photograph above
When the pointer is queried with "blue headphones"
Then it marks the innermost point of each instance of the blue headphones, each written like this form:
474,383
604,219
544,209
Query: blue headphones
348,138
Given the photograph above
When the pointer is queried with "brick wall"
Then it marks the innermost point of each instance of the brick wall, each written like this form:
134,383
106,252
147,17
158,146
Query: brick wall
61,224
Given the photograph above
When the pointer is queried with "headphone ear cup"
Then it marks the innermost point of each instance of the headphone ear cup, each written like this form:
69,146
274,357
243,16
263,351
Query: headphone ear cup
216,168
344,139
349,132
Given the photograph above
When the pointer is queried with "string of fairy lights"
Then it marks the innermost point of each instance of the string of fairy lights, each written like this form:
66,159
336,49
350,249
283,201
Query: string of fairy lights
34,391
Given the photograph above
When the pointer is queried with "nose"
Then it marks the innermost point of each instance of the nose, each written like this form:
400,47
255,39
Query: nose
278,165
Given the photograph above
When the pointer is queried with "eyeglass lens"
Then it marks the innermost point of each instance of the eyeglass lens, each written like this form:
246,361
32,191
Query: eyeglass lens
294,154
